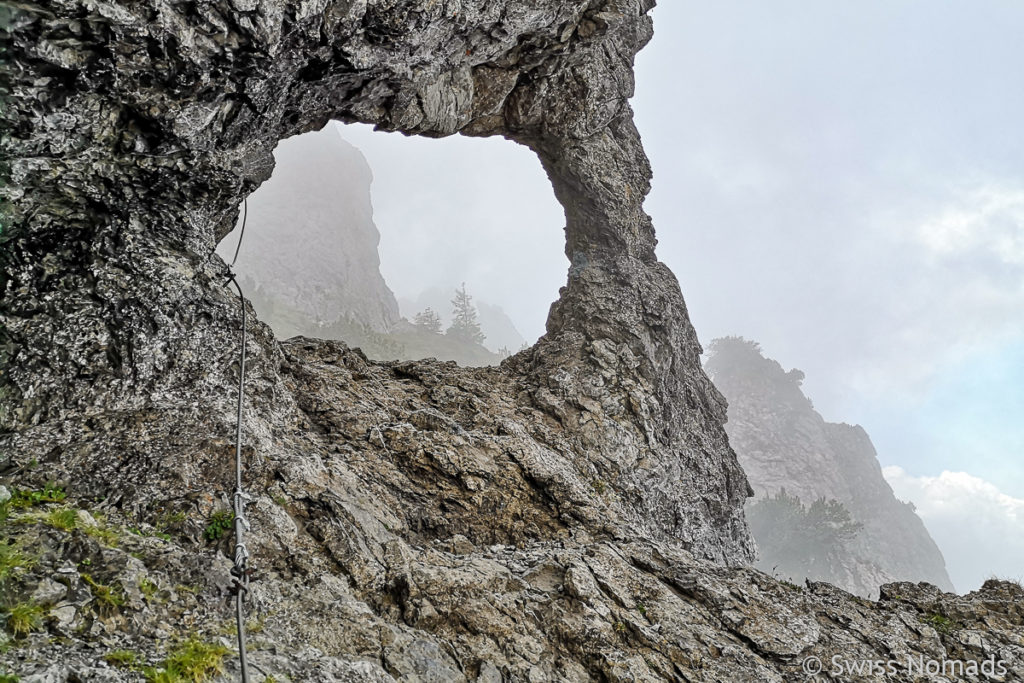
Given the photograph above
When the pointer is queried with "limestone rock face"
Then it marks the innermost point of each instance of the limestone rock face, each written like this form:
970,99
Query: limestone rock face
141,126
570,515
310,244
783,443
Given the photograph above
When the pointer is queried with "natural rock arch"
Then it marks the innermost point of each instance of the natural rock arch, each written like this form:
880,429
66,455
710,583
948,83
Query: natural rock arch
413,520
151,123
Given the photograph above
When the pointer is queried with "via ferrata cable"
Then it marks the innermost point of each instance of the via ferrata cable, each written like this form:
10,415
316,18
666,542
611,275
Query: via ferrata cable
240,571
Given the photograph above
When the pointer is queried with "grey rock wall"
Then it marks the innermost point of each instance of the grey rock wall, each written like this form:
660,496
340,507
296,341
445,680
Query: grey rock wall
141,126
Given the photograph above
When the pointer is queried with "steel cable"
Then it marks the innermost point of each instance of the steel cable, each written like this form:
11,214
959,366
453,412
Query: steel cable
240,569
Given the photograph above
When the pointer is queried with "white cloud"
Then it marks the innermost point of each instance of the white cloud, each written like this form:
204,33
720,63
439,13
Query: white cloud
988,219
979,529
947,287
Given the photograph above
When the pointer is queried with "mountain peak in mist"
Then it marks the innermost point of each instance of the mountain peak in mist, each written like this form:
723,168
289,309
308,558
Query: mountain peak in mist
310,243
803,469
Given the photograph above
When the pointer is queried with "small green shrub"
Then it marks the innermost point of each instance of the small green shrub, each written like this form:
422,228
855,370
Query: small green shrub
940,622
148,588
219,524
170,521
9,678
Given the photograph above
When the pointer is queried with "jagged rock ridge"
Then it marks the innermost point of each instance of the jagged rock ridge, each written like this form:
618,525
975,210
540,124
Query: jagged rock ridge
567,516
784,444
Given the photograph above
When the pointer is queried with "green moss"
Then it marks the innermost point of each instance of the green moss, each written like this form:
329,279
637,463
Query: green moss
9,678
940,622
123,659
25,617
192,661
219,524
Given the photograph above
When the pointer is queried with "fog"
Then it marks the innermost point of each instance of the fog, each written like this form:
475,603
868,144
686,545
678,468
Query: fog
843,183
479,211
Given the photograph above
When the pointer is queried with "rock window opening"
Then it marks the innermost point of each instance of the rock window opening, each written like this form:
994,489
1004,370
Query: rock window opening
407,248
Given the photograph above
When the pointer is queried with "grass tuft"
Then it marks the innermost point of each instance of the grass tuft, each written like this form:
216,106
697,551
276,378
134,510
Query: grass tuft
13,561
64,519
109,598
24,618
193,661
24,498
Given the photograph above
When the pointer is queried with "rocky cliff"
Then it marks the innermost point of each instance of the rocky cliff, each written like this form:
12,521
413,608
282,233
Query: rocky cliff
785,445
574,514
310,246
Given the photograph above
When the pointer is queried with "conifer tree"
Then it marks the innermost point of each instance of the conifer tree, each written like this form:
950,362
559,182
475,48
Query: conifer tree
464,321
429,319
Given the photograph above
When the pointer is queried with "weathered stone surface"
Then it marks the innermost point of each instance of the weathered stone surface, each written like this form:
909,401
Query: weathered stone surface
566,516
140,127
384,604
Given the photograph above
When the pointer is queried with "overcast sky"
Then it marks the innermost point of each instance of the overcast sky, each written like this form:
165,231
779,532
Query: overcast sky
842,182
